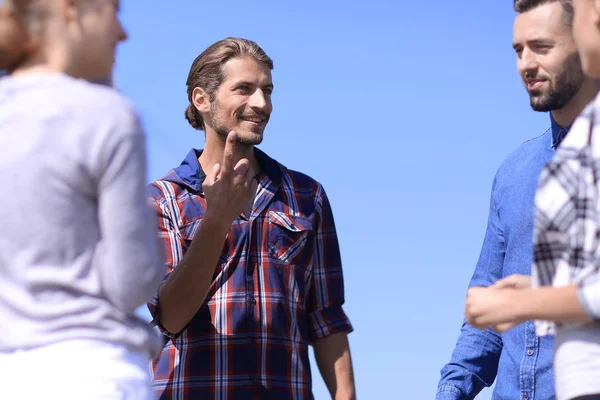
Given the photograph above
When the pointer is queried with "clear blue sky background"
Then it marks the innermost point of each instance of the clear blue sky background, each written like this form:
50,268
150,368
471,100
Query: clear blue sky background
402,110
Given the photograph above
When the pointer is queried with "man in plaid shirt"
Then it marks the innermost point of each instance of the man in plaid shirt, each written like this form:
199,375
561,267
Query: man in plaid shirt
255,275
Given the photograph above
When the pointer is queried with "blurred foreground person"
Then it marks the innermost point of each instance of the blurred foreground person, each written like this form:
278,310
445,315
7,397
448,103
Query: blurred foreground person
78,250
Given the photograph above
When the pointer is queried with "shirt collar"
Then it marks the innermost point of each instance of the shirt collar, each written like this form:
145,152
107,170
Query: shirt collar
558,132
190,174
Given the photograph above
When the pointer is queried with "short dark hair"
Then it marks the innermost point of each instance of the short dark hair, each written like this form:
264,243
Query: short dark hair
207,70
522,6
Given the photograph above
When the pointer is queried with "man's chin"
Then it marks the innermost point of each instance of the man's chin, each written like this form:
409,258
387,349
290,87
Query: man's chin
539,104
250,138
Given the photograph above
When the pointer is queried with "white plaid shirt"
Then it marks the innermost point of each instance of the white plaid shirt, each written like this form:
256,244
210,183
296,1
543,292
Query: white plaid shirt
566,226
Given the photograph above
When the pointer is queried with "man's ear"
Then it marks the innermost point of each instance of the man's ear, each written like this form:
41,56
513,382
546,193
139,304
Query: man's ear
201,100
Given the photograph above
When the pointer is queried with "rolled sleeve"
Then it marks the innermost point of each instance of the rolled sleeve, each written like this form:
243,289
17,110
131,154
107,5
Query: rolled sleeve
326,322
153,307
449,393
171,245
326,294
589,298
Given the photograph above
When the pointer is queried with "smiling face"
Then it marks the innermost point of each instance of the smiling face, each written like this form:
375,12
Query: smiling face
547,58
242,102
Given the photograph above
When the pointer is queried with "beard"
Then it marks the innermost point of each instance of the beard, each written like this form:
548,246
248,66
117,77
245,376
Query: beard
222,127
562,89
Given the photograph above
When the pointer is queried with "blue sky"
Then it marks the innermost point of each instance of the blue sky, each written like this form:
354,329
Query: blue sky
402,110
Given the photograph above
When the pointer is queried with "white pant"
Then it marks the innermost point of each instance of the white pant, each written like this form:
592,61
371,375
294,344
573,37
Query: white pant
75,370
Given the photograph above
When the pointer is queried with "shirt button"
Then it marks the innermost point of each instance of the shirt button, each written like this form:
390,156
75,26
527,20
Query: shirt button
530,352
253,300
525,396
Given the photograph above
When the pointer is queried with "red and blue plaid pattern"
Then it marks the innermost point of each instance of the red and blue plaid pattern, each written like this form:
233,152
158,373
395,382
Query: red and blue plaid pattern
277,287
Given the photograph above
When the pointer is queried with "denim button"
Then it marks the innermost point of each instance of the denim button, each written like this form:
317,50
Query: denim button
525,396
530,352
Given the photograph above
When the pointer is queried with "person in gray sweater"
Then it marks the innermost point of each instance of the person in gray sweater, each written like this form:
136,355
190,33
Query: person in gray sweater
78,248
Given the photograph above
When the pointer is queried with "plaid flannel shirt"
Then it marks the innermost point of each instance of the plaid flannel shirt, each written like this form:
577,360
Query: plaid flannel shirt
566,230
277,287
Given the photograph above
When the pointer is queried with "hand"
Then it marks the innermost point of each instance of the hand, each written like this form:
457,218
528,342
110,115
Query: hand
514,281
228,189
491,307
501,328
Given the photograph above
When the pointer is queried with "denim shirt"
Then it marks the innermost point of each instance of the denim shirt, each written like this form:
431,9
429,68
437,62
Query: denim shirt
521,362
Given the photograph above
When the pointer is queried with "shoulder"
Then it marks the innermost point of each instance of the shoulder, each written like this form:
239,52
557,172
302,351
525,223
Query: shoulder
165,190
97,110
102,103
301,181
292,181
525,157
579,135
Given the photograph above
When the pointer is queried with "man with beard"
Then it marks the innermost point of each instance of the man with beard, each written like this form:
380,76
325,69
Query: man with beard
255,270
549,65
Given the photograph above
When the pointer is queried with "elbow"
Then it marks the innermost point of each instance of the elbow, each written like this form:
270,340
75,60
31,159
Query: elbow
128,297
168,318
127,303
129,293
170,325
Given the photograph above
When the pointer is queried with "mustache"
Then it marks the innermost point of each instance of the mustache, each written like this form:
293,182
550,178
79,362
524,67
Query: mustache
533,75
259,114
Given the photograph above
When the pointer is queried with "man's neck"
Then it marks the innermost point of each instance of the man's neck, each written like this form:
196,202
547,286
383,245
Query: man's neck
215,148
567,115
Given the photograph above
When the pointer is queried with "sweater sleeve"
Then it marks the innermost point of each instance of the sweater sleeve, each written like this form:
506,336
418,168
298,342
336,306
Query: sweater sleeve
128,258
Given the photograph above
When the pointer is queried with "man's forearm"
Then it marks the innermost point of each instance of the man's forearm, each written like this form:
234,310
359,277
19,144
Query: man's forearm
185,290
335,363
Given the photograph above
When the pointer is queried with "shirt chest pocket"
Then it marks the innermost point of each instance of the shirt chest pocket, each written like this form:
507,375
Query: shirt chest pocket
288,237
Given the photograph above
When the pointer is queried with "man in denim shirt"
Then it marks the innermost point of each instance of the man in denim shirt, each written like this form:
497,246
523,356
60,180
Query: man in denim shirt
549,65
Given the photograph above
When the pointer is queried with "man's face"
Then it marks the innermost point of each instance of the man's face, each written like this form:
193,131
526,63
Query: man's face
547,57
12,38
101,32
243,101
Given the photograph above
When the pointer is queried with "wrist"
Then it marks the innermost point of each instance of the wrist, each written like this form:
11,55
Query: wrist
518,304
349,395
526,304
216,224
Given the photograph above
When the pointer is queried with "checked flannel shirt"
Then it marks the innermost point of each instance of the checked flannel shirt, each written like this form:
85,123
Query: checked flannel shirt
567,218
277,287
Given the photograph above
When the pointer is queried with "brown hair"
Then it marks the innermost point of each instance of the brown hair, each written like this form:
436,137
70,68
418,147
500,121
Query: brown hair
522,6
207,70
34,13
14,40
